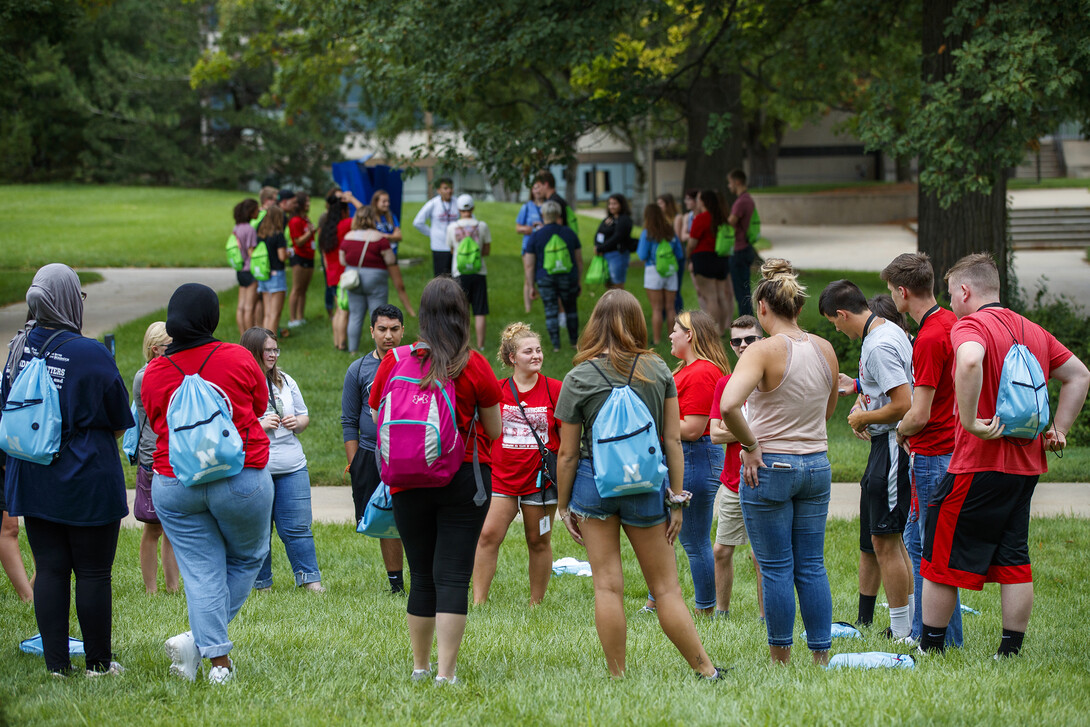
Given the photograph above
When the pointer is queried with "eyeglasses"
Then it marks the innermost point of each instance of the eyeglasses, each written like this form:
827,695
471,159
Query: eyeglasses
745,339
272,351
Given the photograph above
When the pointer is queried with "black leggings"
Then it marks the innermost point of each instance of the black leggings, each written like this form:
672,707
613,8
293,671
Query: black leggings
59,550
439,528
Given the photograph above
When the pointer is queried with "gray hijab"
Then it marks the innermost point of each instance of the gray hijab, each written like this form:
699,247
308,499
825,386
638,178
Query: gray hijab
55,300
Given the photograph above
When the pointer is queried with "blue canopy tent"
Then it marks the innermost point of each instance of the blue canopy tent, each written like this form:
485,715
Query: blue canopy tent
363,181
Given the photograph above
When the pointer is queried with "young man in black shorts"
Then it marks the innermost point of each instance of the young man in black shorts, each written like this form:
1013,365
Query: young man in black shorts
978,519
885,395
387,328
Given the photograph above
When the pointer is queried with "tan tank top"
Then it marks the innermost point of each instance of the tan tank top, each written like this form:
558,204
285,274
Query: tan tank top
790,419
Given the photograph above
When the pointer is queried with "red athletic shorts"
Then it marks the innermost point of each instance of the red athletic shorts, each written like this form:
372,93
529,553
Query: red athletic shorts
978,530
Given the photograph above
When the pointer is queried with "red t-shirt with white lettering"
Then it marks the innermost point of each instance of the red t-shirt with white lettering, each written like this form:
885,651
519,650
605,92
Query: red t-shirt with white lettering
732,466
933,365
516,458
695,384
474,388
986,327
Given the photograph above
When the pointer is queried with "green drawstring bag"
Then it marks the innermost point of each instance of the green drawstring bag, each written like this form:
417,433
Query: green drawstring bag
597,271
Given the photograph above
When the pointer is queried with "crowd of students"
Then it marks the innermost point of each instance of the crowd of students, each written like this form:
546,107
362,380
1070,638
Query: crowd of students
528,445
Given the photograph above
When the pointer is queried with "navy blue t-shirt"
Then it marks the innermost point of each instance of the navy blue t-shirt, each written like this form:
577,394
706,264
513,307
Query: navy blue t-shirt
85,485
540,239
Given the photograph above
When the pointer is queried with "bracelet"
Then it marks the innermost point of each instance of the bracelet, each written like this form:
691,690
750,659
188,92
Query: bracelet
858,387
676,501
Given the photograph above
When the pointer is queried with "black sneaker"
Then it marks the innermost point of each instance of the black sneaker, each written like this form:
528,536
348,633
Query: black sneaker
720,674
397,589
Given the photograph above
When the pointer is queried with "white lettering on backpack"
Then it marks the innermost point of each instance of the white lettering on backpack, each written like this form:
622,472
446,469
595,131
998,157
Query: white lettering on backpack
207,457
632,473
13,443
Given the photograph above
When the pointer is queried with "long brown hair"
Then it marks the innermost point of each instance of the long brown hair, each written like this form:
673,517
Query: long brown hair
670,203
253,340
389,216
444,327
655,224
364,219
272,223
616,325
705,343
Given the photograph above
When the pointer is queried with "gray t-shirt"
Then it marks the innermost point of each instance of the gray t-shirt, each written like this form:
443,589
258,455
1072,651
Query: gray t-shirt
585,391
356,421
885,362
145,448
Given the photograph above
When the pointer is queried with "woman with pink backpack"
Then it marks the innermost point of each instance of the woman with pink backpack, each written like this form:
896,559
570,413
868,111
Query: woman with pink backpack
436,404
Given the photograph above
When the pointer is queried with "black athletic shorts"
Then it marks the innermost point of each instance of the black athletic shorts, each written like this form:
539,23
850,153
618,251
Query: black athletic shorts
710,265
885,491
245,278
476,288
977,530
365,478
303,262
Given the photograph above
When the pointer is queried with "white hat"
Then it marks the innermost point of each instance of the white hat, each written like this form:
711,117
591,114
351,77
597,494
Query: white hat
465,202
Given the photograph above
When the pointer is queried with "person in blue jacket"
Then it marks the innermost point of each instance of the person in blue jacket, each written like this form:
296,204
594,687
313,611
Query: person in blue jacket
661,284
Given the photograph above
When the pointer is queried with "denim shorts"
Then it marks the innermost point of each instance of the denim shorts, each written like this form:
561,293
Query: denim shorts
641,511
618,266
539,498
277,283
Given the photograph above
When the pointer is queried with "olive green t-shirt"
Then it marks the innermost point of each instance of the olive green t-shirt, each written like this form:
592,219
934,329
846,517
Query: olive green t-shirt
585,391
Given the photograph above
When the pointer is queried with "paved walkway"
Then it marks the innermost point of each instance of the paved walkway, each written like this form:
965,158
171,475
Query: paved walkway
334,504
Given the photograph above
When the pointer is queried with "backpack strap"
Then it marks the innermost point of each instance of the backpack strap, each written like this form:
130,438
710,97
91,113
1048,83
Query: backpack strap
183,373
44,351
481,497
602,373
514,391
633,371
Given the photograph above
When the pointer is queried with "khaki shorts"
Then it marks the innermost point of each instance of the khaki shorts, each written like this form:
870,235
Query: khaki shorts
731,529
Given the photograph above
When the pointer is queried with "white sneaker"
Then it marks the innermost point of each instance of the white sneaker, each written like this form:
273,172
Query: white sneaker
114,669
184,655
221,674
443,681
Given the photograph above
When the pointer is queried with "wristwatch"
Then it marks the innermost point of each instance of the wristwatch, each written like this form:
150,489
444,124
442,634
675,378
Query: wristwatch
750,447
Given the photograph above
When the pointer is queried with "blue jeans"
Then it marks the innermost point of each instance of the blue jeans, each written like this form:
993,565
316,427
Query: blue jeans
220,535
927,471
741,263
703,463
291,514
785,519
618,266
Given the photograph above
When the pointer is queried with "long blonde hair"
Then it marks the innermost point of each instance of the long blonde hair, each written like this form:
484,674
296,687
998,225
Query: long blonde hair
705,343
617,327
156,335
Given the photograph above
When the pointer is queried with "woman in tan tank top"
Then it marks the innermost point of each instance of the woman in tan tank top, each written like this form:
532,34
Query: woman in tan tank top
789,379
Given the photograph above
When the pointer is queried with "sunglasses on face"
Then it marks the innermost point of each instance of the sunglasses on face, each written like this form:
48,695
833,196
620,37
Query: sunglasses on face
745,339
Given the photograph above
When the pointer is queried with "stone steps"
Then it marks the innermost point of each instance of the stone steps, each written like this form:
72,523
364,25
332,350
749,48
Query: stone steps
1050,227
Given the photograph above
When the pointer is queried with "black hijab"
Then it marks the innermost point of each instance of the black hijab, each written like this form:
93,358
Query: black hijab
192,316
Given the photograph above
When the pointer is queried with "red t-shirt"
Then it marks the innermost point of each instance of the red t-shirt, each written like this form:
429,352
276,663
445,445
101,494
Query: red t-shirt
372,258
298,227
695,384
972,454
233,369
732,466
703,232
933,365
516,459
333,267
474,388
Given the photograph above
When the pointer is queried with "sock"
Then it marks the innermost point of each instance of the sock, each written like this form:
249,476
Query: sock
397,580
866,610
1011,643
911,609
899,621
933,638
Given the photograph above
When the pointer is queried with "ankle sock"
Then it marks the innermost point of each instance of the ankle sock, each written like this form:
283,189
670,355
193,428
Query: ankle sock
900,623
1011,643
933,638
397,579
866,610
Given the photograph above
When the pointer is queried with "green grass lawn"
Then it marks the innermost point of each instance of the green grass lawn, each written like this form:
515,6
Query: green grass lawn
14,283
343,657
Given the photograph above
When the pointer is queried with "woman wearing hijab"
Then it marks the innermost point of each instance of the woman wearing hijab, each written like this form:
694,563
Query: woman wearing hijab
220,530
73,506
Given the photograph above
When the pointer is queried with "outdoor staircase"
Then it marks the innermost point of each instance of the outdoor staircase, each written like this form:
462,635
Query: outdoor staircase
1047,161
1050,227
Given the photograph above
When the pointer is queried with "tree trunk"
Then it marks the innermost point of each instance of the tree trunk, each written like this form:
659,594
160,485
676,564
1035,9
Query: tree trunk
571,182
714,94
763,157
976,222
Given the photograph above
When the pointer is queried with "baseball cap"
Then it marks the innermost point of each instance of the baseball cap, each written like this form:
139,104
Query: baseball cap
286,194
465,202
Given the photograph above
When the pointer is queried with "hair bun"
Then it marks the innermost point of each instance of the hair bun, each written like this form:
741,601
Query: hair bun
776,267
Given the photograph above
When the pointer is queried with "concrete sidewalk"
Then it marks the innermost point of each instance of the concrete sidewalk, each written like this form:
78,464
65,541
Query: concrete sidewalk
334,504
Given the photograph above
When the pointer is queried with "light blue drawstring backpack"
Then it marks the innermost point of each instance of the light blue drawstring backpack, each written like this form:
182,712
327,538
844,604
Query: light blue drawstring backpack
204,443
1022,401
30,423
378,517
131,439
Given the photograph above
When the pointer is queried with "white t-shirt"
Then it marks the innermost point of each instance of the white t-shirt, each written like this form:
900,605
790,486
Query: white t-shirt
885,362
433,218
285,450
484,237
